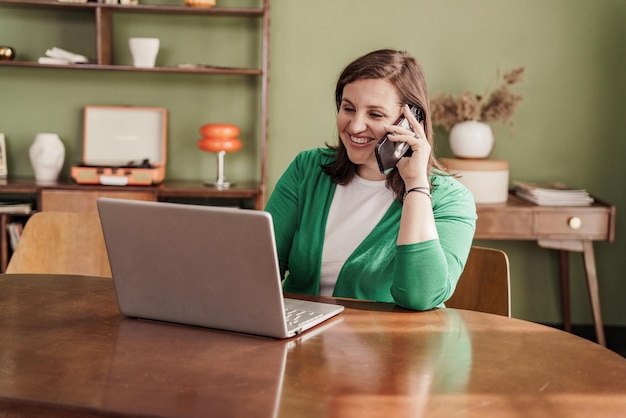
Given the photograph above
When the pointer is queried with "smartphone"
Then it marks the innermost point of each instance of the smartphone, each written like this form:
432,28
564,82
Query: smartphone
388,153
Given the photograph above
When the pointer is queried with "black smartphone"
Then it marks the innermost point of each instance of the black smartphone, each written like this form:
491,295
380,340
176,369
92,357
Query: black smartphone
388,153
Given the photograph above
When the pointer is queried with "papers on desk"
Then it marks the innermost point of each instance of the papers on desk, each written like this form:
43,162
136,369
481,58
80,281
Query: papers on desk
552,194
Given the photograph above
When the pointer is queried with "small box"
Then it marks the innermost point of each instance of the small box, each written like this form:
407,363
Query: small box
488,180
123,145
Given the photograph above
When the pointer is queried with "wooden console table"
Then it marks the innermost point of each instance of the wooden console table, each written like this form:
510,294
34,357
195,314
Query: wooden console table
566,228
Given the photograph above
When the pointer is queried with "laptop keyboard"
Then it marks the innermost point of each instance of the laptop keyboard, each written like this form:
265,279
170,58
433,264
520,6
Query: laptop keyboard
298,317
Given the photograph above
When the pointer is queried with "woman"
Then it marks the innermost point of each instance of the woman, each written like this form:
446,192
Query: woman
344,228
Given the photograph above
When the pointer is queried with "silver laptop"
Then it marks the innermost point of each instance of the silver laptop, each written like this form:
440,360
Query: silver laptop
203,266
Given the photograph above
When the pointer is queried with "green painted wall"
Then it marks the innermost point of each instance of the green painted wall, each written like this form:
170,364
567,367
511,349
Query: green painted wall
568,128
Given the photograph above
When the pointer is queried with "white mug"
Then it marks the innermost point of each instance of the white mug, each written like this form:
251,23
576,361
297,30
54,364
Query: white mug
144,51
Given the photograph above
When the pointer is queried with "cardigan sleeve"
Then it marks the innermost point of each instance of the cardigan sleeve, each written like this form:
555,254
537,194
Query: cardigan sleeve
426,274
283,206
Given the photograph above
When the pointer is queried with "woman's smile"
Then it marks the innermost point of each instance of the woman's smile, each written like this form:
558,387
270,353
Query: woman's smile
361,140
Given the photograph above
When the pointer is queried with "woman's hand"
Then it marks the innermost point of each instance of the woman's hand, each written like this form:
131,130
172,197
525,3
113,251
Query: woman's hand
413,169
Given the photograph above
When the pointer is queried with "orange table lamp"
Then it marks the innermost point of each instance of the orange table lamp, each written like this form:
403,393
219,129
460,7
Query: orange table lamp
219,138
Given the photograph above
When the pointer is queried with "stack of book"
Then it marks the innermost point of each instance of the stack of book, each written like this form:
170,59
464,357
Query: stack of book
16,208
60,56
15,233
552,194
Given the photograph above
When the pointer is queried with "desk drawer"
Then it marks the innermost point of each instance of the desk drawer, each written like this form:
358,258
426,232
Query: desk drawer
504,225
580,224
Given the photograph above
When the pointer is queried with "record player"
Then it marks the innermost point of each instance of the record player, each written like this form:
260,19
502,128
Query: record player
123,146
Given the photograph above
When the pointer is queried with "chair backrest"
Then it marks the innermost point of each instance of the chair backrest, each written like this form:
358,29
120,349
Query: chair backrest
61,243
61,200
484,284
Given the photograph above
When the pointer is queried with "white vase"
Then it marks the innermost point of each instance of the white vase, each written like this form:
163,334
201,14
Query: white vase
471,139
47,154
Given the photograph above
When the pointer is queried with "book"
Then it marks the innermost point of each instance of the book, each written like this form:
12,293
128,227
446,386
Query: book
15,233
18,208
72,57
552,194
54,61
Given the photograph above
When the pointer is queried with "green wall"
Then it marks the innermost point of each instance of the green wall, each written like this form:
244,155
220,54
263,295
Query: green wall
568,128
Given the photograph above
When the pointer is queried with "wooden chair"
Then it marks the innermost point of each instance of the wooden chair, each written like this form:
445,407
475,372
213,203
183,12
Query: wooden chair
484,284
61,200
61,243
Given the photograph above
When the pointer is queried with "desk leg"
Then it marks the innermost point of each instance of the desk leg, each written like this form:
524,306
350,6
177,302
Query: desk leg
565,292
594,294
586,247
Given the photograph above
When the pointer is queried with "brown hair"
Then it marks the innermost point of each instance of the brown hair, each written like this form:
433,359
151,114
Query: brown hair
404,72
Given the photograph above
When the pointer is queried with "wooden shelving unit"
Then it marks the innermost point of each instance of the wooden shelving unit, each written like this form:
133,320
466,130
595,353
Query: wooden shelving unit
103,15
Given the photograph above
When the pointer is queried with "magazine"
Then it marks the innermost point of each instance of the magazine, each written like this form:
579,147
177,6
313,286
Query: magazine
552,194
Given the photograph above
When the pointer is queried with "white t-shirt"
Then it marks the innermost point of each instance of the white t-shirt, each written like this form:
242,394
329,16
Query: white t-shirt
354,212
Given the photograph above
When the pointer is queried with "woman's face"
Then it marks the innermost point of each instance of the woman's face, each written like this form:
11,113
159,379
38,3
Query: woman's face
367,105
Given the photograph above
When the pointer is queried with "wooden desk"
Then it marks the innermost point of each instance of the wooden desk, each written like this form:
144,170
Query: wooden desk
65,352
562,228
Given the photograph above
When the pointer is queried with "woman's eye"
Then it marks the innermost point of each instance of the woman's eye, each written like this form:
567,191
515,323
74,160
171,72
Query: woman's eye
347,109
376,115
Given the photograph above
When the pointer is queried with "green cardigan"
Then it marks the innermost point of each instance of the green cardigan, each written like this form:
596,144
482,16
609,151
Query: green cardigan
417,276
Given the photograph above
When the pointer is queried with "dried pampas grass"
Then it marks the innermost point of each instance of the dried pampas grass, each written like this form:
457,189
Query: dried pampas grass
498,106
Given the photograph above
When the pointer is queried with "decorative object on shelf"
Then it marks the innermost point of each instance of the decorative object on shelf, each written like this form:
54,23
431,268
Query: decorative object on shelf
471,139
496,105
200,3
467,117
3,157
47,154
7,53
144,51
220,138
488,180
59,56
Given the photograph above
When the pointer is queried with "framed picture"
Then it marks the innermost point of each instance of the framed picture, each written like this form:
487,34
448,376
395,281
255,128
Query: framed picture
3,157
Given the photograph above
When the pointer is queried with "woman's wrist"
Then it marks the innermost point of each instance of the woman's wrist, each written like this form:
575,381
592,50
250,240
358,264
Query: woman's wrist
422,190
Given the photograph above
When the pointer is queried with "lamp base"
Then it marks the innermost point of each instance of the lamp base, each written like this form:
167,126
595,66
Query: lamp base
219,185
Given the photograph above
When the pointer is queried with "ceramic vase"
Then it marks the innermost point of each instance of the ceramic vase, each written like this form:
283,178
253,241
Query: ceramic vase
471,139
47,154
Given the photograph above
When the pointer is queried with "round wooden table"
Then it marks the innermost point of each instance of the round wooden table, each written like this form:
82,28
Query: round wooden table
67,352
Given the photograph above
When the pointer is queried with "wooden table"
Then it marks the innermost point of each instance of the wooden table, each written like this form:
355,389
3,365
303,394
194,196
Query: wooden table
67,352
564,228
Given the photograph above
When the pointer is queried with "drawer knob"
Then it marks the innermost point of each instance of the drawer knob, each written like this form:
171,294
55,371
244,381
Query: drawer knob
575,222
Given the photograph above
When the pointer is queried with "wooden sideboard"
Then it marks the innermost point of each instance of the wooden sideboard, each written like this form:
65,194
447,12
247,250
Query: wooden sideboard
68,196
563,228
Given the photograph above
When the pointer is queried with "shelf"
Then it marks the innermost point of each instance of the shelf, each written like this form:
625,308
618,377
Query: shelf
102,16
99,67
142,8
167,189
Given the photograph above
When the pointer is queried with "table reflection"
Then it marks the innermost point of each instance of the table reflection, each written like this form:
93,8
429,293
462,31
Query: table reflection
395,359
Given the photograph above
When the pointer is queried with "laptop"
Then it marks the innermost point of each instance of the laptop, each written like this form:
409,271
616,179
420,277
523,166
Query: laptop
204,266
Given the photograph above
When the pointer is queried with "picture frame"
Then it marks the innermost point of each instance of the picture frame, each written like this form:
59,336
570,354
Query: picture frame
3,158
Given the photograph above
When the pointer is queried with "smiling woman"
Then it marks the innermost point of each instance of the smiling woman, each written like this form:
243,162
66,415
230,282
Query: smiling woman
345,228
